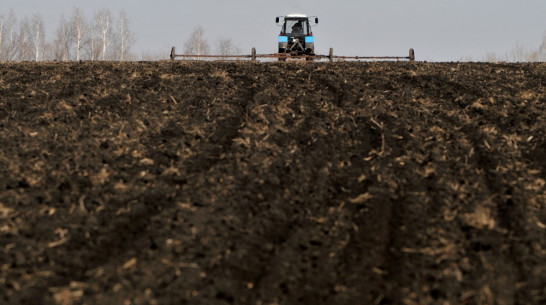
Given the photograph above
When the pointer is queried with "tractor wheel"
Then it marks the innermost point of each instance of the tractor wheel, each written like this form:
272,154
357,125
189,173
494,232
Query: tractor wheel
282,51
309,53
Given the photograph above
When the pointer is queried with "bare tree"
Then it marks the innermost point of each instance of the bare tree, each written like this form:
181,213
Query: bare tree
125,36
25,46
11,47
38,39
80,30
104,21
226,47
518,53
467,58
48,52
491,57
197,44
532,56
542,49
94,42
2,30
63,43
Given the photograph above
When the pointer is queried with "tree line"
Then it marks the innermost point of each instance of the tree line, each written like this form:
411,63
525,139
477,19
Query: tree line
102,37
520,53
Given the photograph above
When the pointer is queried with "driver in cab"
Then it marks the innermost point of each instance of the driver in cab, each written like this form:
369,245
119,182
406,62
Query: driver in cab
297,28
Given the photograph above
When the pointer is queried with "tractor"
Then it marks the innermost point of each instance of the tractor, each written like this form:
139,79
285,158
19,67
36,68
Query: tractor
296,37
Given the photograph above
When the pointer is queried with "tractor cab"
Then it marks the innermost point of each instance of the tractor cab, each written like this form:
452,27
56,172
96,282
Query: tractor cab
296,27
296,36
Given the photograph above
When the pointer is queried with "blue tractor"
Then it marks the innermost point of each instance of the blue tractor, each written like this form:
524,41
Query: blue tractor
296,37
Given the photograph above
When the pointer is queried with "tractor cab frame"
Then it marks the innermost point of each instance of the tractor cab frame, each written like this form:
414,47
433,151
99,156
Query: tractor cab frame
296,36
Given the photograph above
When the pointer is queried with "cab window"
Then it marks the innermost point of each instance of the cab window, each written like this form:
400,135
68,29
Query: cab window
296,27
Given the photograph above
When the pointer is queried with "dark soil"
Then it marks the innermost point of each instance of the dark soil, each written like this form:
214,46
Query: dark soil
295,183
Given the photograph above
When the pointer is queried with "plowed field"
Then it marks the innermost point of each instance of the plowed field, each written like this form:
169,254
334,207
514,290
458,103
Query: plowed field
273,183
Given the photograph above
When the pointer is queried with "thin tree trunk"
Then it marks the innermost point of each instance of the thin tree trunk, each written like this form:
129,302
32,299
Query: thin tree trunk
37,43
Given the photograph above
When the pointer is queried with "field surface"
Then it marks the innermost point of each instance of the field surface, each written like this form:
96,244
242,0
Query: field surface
240,183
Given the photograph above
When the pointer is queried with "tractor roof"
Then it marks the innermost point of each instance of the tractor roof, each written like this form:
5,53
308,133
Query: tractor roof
296,16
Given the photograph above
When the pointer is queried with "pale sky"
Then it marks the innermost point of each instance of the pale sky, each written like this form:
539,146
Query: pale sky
438,30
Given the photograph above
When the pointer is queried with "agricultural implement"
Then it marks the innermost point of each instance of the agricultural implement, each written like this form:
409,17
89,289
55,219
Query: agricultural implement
295,42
